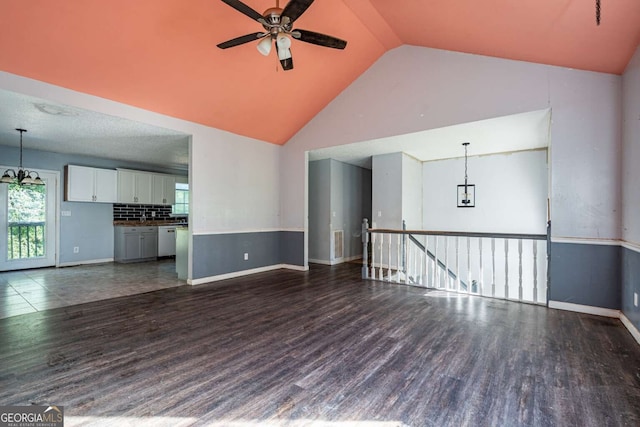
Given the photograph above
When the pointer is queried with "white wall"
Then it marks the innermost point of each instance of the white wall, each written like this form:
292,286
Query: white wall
386,198
631,151
412,89
511,193
412,192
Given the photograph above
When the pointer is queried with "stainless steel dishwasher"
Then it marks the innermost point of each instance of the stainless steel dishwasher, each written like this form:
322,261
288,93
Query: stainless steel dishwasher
166,240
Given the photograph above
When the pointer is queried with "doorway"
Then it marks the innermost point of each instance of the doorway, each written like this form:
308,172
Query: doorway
28,224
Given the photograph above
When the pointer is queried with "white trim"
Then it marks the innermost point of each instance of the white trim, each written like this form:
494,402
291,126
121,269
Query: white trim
215,233
588,309
335,261
320,261
631,327
245,273
630,245
91,261
586,241
257,230
294,267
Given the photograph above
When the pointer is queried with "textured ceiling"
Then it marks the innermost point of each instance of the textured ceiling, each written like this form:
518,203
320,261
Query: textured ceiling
161,55
62,129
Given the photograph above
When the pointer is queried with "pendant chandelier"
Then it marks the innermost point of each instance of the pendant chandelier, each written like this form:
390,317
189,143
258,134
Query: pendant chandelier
466,191
23,176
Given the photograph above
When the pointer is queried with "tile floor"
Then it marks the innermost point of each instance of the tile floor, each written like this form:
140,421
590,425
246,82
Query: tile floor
28,291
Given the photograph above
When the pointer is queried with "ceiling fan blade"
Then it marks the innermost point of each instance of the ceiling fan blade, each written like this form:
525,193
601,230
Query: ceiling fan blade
287,64
246,10
295,8
319,39
285,60
240,40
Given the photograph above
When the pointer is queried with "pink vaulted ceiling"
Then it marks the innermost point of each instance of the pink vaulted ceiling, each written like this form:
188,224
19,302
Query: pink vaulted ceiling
161,55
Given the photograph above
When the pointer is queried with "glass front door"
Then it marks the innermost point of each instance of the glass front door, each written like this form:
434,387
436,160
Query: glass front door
28,219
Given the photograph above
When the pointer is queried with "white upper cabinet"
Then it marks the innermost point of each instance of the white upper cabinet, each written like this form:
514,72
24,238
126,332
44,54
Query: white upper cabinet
164,189
85,184
135,187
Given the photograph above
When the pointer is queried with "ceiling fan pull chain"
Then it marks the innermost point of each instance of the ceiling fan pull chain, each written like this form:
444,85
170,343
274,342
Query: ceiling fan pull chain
598,12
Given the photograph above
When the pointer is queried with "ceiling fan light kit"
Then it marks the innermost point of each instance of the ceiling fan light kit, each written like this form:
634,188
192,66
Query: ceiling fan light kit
278,24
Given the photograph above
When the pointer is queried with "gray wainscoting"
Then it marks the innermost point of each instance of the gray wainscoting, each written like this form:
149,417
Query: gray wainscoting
630,284
586,274
216,254
292,248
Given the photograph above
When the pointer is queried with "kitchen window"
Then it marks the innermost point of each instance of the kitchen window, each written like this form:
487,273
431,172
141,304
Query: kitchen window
181,206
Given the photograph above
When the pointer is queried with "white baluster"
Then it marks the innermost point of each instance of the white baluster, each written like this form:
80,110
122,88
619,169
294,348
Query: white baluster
416,253
380,268
398,265
506,269
447,282
458,263
389,260
493,267
520,269
535,271
420,278
469,287
426,261
373,255
436,268
481,278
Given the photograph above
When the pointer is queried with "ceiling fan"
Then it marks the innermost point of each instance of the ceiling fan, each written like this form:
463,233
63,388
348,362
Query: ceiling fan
278,24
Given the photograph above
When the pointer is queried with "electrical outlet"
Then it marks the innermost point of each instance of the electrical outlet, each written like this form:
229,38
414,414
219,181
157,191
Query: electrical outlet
635,299
246,256
65,213
76,249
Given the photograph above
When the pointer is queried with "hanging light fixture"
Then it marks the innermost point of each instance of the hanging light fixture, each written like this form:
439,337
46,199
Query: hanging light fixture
466,191
23,176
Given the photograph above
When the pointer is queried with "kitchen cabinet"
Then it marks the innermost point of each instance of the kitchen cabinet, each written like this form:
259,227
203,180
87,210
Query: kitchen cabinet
164,189
135,187
85,184
133,244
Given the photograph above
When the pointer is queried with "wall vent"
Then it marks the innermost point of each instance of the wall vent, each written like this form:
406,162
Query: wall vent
338,244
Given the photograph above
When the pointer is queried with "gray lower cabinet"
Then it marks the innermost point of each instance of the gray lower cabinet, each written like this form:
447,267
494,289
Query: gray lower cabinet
134,244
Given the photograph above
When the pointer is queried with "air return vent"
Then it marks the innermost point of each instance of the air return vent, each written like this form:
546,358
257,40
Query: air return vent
338,244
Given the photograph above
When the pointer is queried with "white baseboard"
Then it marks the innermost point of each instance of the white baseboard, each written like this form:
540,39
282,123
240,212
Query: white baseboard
335,261
630,326
319,261
91,261
294,267
587,309
241,273
598,311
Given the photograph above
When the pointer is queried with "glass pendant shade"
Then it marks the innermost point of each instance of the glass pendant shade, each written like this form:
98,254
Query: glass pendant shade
264,47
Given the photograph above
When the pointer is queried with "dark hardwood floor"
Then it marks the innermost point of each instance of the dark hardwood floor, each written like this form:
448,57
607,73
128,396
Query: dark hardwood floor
320,348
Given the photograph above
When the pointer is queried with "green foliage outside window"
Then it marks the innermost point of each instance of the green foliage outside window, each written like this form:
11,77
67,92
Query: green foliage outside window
27,215
181,206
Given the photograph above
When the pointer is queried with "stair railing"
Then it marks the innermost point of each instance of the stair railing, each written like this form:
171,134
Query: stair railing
511,266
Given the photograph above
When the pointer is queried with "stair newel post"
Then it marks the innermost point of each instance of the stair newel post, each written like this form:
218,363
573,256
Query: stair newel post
365,248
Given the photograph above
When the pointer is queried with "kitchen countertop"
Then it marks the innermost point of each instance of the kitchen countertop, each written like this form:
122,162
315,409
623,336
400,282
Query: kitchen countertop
148,223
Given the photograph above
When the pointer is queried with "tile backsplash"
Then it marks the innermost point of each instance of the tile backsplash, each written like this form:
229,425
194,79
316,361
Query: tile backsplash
124,212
